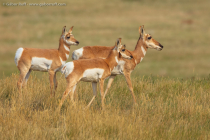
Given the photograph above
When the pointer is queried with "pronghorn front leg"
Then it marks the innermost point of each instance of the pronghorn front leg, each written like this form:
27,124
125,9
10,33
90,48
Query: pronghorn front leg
69,89
111,79
128,80
51,76
101,82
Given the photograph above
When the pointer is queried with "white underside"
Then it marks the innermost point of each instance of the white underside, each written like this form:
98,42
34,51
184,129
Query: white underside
40,64
92,75
18,54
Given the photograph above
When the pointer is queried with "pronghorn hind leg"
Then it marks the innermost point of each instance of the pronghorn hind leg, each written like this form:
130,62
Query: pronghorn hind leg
51,77
101,82
26,78
23,73
94,86
128,80
111,79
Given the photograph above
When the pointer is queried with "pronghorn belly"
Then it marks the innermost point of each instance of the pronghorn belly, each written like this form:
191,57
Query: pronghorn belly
40,64
119,68
77,54
92,75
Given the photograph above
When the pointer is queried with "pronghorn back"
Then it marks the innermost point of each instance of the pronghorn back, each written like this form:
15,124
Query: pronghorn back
91,52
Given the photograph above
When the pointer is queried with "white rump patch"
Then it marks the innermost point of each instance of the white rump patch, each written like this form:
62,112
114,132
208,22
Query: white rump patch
77,54
66,48
67,68
92,75
18,54
40,64
143,50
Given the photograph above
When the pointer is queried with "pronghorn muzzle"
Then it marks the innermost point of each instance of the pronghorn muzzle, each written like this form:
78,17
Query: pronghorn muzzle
161,47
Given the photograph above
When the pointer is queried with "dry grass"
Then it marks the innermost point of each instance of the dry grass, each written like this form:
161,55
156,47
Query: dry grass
167,109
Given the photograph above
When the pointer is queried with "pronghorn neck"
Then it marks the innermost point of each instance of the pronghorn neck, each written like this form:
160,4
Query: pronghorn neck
140,51
112,59
64,49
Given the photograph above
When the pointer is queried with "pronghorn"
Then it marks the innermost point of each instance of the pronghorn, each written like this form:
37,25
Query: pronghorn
92,70
46,60
126,66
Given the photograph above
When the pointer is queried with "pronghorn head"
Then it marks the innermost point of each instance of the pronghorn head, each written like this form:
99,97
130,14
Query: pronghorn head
68,37
121,50
148,40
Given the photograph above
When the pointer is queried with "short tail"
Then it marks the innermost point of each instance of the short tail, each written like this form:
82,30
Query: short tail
18,54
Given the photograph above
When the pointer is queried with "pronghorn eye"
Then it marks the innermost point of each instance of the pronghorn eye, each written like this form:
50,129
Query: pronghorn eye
68,37
123,50
149,37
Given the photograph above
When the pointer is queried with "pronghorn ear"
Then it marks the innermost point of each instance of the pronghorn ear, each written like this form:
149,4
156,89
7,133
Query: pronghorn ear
118,44
70,30
63,30
141,30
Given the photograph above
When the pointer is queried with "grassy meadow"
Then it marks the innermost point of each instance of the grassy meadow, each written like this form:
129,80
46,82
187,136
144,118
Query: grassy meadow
172,86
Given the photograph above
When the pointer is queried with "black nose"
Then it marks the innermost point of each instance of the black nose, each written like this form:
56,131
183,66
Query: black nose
77,42
161,45
131,56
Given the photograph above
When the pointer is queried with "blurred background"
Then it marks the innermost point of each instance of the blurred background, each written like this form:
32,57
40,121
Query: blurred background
181,26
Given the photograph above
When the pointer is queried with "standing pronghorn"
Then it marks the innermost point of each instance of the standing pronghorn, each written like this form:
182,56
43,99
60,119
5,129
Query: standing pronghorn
92,70
125,66
51,60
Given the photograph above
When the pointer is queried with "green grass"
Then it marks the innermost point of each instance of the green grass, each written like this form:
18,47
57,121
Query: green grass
186,44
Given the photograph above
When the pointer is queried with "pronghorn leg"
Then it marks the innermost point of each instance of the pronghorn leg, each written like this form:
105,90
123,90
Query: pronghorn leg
72,94
94,86
26,78
65,94
23,73
51,76
128,80
101,82
55,82
111,79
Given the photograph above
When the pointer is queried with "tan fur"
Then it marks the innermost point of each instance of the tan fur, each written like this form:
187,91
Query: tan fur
91,52
24,63
80,66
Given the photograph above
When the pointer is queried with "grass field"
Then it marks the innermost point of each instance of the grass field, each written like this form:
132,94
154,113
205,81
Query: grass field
171,86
